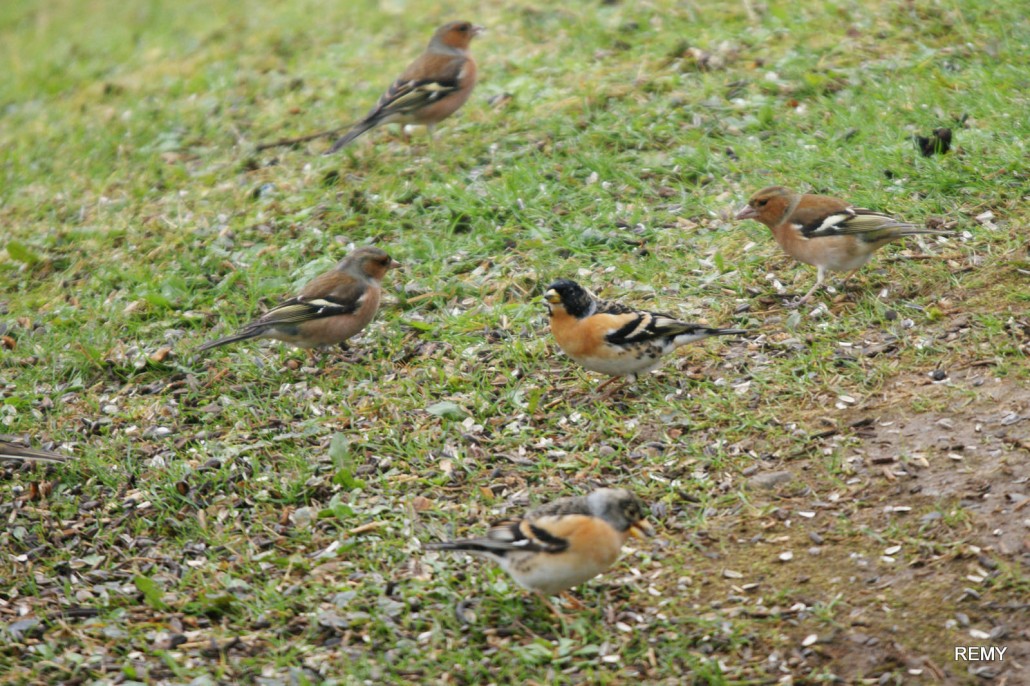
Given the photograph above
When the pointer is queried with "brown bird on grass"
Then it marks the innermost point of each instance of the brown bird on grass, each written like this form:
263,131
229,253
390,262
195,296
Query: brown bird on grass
330,309
825,232
431,89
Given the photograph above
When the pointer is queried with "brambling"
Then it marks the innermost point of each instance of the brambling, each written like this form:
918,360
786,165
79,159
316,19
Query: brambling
610,338
825,232
431,89
563,543
11,450
331,308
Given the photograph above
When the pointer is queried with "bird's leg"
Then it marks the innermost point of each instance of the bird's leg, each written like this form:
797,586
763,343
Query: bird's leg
344,353
846,278
608,394
820,276
574,602
550,606
606,384
350,354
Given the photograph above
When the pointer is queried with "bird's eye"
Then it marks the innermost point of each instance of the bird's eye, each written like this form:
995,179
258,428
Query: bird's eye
761,203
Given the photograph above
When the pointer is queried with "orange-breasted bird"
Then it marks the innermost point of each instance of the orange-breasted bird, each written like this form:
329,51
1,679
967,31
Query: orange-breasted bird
562,544
611,338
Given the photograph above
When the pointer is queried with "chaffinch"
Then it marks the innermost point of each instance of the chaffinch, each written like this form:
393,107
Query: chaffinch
610,338
331,308
431,89
823,231
12,450
563,543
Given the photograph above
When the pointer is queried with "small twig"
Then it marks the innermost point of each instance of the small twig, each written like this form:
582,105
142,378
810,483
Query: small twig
371,526
924,256
74,613
216,378
302,139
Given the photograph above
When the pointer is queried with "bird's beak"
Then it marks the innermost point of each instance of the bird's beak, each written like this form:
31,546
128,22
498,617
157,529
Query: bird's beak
747,213
552,297
394,264
641,529
477,30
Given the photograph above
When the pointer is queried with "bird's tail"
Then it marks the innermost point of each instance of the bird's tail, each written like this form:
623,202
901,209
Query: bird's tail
697,331
896,230
688,333
481,546
241,336
12,451
355,131
902,229
872,227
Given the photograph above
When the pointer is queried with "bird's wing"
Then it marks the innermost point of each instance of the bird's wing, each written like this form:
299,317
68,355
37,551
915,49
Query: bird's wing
627,327
413,91
328,295
854,221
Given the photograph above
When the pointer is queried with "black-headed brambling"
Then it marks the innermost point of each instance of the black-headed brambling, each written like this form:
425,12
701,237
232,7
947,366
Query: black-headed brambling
825,232
431,89
331,308
611,338
12,450
563,543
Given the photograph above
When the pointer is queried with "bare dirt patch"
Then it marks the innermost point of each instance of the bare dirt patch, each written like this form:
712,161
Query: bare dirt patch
916,542
975,451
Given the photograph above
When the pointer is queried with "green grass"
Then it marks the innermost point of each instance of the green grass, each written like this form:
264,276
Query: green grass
137,216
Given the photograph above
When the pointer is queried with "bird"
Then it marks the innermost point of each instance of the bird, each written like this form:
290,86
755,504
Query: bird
611,338
12,450
561,544
431,89
330,309
823,231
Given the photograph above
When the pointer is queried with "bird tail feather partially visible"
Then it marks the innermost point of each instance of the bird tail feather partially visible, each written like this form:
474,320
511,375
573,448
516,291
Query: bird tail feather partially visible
902,229
355,131
241,336
726,332
703,331
482,546
12,451
692,332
